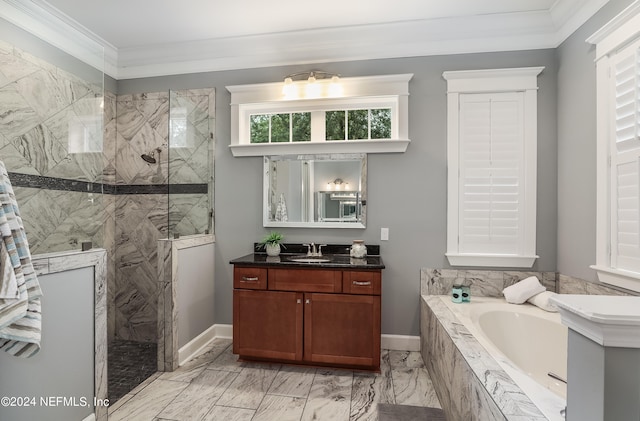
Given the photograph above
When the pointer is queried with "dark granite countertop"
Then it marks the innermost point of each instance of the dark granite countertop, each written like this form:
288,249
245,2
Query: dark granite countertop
339,255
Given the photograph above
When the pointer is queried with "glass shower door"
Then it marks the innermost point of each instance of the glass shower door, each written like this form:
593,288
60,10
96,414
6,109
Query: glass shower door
191,147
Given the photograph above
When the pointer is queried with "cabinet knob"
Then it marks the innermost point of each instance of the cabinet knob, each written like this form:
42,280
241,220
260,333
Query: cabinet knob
307,301
249,279
299,301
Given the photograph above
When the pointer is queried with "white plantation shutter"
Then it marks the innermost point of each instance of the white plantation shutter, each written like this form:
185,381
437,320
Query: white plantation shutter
492,124
625,160
491,173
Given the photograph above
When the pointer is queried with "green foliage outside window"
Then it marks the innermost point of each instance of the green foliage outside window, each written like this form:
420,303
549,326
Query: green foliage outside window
339,125
381,124
275,128
259,128
301,127
280,128
358,124
334,125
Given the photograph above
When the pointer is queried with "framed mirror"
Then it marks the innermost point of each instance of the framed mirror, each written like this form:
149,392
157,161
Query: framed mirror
324,191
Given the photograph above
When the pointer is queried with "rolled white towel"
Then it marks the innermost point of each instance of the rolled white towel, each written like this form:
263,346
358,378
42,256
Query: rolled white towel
542,300
521,291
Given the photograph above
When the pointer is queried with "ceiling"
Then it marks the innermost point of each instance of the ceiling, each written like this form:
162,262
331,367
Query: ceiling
134,23
156,37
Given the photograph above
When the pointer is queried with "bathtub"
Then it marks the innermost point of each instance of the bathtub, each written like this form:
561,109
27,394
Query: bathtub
527,342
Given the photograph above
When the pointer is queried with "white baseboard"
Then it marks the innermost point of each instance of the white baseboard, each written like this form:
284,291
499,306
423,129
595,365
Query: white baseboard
90,417
400,342
195,346
225,331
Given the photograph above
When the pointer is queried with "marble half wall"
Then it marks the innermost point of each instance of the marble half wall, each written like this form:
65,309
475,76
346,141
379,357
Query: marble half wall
483,283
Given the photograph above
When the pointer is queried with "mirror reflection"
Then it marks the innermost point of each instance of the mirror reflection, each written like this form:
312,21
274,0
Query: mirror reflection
315,191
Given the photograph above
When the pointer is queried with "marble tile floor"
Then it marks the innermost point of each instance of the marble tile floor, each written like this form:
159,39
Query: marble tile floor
215,386
129,364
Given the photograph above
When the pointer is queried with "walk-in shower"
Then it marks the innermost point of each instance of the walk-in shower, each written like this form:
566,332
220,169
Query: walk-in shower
74,160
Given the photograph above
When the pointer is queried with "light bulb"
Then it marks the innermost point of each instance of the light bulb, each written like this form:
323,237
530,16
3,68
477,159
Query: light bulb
289,89
335,88
312,90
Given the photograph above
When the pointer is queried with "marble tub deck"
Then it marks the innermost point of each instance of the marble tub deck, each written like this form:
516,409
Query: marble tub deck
215,386
470,379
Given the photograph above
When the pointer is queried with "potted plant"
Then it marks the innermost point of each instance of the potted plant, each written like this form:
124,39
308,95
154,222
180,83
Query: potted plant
271,243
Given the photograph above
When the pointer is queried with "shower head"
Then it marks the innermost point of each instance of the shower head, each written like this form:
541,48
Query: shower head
148,158
151,156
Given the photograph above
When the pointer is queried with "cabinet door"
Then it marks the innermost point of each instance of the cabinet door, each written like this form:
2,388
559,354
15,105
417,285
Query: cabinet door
267,324
342,329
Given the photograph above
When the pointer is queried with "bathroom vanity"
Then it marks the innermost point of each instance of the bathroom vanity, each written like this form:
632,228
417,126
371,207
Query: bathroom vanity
324,313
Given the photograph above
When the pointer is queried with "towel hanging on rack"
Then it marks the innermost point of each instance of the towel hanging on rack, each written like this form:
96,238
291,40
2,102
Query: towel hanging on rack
20,315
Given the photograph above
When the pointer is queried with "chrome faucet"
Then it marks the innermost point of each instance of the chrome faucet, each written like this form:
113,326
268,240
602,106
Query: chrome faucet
312,251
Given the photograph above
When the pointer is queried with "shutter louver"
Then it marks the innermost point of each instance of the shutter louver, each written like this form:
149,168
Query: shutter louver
491,155
626,163
627,98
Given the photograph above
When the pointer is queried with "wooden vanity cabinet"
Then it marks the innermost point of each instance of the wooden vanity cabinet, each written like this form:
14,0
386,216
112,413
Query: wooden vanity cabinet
315,316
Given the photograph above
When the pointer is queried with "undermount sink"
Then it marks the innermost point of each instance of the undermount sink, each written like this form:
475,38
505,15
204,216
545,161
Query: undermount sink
309,259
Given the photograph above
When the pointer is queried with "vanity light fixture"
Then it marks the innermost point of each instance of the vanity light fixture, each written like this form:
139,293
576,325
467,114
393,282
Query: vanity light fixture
338,184
312,84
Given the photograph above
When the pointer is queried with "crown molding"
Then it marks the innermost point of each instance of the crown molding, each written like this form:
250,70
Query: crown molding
44,21
459,35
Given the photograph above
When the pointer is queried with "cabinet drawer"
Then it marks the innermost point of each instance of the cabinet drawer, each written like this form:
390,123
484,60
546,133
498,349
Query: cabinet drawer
249,278
361,282
305,280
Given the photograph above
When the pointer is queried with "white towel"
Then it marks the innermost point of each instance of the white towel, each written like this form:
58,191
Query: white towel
521,291
542,300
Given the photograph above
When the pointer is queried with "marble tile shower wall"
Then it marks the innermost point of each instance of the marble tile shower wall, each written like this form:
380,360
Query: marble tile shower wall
41,104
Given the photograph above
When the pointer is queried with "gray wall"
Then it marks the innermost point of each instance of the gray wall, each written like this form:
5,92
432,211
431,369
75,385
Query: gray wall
64,365
406,192
577,147
195,292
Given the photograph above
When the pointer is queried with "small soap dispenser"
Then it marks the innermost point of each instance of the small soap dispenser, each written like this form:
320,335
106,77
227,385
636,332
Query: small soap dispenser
358,249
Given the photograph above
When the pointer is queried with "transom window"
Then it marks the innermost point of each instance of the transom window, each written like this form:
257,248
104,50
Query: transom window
361,124
371,115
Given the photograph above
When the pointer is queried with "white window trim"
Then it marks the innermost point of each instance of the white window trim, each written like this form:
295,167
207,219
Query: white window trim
390,91
617,33
492,81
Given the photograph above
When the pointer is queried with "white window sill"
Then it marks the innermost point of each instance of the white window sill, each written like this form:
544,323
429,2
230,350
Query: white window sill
491,260
338,146
620,278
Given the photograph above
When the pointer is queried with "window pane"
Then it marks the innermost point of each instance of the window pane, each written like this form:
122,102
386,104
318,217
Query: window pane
260,128
358,124
381,124
280,127
301,127
334,125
